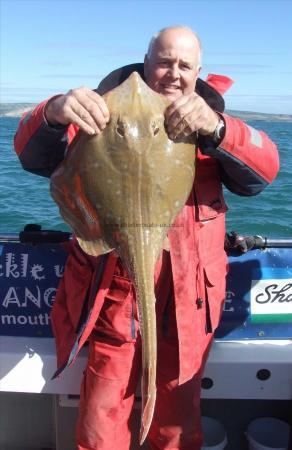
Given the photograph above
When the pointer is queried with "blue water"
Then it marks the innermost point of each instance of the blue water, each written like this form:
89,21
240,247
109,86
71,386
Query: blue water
25,198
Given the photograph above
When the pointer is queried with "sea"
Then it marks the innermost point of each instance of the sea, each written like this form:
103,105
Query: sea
25,198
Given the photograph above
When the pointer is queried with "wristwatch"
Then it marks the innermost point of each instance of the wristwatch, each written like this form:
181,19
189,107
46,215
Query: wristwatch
219,131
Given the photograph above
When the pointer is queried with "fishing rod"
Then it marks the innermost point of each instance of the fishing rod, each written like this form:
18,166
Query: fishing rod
234,242
33,234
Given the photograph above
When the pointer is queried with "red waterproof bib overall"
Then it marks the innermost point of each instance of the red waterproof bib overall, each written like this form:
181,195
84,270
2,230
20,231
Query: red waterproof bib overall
190,287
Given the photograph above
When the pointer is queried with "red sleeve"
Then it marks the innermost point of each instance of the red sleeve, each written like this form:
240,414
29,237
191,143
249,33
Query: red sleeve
28,125
252,147
39,146
248,159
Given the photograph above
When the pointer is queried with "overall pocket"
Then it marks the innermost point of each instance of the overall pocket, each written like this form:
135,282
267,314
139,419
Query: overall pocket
118,315
208,190
215,291
77,281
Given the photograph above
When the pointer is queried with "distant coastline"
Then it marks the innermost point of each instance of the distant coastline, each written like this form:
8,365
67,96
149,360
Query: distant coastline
250,115
17,109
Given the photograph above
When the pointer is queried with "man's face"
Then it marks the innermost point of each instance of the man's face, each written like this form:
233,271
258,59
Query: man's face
172,68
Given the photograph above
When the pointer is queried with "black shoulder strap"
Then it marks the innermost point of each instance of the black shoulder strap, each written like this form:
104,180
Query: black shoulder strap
209,94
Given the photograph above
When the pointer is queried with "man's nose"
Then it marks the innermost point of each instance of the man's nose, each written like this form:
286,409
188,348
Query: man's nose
174,71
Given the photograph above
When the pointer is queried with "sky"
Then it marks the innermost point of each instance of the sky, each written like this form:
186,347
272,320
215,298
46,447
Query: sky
49,47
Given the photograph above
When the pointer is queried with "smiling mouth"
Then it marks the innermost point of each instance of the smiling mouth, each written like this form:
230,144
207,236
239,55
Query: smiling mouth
170,87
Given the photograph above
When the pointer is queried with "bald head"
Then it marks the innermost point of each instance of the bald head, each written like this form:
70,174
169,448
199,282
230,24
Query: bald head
173,62
182,32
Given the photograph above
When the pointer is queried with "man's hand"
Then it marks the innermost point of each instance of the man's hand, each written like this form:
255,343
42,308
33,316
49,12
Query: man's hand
82,106
190,113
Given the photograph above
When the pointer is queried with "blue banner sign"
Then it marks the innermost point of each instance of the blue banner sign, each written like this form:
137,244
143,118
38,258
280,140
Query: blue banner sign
258,301
29,276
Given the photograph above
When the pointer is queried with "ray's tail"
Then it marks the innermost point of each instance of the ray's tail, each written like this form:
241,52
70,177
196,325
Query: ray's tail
149,358
145,259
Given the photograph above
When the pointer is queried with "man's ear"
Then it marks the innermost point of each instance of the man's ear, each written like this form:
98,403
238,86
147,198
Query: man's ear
146,67
198,72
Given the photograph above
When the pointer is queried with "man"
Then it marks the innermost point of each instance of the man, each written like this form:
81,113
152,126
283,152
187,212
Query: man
190,278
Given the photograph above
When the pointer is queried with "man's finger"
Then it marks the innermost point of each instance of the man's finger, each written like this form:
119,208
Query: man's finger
94,115
180,111
179,114
185,127
97,114
76,108
100,102
178,103
93,119
83,124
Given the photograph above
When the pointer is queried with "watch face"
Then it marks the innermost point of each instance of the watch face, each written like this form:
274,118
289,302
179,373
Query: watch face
220,129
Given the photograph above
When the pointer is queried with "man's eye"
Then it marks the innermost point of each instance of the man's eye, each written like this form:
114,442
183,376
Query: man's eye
163,63
185,67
